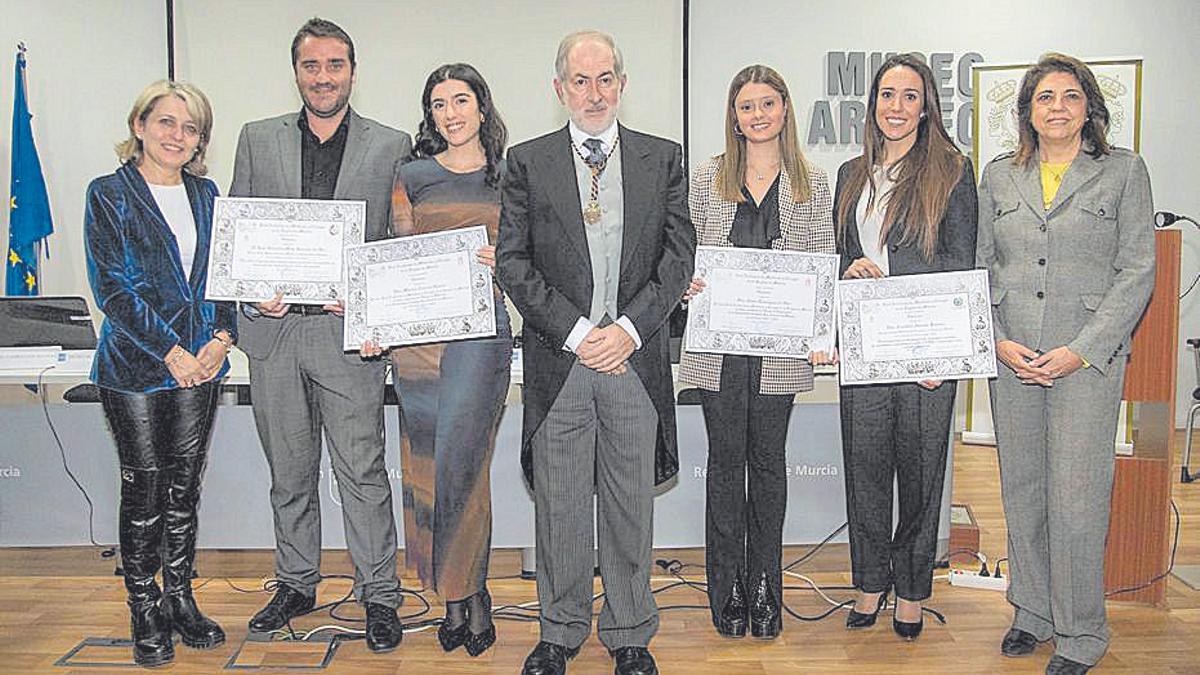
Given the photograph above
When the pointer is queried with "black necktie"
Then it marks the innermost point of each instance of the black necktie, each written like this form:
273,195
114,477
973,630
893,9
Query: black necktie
595,157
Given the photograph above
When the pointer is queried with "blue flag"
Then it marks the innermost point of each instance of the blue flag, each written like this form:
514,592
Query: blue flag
28,205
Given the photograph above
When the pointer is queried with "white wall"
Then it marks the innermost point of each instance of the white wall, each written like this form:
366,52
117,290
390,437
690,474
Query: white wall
794,38
238,53
89,59
87,62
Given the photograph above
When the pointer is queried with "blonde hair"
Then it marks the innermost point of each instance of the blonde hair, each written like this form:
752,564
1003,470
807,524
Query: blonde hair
198,107
731,173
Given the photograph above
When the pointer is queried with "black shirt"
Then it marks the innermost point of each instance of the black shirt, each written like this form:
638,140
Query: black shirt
320,162
757,225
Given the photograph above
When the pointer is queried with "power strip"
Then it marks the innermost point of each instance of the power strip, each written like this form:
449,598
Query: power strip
967,579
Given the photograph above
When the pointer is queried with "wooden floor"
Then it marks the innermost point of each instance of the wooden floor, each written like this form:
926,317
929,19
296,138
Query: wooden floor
50,599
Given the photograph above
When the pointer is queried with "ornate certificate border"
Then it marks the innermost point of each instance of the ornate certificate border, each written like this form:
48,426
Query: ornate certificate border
352,216
854,369
481,322
824,265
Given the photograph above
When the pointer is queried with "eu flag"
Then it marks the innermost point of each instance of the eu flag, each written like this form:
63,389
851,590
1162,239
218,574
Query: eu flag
28,206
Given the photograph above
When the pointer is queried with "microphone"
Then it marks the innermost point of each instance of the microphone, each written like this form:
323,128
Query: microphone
1166,219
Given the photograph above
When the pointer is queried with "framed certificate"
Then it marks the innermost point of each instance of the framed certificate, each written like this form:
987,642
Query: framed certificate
261,247
762,302
418,289
916,327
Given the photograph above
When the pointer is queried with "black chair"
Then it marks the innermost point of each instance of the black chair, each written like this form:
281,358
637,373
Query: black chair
1184,476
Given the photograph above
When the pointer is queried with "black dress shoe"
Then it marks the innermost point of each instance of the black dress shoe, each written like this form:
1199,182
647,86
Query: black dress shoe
548,658
858,619
287,604
732,620
1017,642
196,630
1061,665
906,630
765,620
384,631
480,606
633,661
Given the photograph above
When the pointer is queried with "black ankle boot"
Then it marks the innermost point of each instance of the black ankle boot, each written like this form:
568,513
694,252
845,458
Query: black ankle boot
183,496
765,620
732,620
141,528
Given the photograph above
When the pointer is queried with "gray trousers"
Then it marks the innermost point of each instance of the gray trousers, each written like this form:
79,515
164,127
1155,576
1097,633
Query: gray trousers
306,384
598,437
1056,475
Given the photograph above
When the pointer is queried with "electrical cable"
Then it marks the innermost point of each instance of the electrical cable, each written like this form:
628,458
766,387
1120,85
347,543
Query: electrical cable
816,548
110,549
1170,564
1190,287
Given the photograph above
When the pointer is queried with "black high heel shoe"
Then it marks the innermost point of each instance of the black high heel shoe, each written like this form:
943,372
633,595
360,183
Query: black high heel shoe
866,620
453,637
765,620
732,620
906,629
481,605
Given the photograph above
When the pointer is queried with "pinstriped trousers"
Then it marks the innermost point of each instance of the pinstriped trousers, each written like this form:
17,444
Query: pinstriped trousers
598,438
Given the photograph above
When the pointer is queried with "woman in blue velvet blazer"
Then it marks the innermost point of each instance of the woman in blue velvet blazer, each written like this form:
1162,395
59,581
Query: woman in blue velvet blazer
162,351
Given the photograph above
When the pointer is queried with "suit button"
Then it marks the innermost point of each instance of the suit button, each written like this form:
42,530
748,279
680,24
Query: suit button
895,247
1043,227
1101,211
1042,262
1040,295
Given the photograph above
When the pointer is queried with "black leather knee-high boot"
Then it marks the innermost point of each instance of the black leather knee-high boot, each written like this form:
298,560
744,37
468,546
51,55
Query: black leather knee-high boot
141,529
185,453
179,550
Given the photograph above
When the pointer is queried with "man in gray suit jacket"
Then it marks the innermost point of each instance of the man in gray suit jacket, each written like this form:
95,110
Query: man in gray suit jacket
595,249
300,379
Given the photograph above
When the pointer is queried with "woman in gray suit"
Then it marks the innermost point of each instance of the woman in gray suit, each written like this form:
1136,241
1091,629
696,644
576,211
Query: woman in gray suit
760,193
1066,233
906,206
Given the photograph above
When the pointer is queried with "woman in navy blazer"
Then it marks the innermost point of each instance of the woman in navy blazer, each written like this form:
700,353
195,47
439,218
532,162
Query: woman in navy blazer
906,206
162,349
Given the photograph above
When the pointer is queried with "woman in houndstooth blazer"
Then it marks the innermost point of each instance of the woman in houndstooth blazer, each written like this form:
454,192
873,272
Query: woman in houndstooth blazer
906,206
760,193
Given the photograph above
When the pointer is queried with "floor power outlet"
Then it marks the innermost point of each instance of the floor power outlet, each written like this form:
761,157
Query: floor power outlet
970,579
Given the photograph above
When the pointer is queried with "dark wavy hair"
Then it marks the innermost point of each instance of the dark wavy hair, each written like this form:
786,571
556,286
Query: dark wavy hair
493,135
924,178
1095,128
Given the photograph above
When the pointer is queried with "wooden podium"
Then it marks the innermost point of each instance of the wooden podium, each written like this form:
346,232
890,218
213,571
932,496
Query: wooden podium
1139,533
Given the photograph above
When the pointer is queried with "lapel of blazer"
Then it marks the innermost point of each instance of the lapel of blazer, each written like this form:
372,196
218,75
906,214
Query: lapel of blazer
1082,171
636,182
203,217
1028,181
288,138
141,192
558,169
358,139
